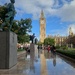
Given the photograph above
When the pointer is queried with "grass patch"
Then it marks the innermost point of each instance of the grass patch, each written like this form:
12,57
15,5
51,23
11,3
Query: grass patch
19,50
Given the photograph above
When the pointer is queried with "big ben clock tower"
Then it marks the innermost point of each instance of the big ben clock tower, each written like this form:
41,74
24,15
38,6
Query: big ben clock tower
42,27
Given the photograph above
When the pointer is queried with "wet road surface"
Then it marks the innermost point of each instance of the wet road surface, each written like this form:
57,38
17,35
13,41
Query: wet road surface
41,63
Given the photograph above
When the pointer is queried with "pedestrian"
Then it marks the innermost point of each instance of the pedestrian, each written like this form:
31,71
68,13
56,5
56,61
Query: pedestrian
53,49
48,48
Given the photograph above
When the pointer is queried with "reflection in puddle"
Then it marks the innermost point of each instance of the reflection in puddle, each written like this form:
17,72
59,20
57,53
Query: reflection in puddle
33,65
28,56
58,66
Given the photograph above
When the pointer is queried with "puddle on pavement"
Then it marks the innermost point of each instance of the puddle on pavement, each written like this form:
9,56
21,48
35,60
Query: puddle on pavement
59,66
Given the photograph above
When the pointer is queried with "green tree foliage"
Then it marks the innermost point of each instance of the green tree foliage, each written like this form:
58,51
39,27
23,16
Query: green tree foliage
21,28
49,41
23,38
40,43
24,26
3,11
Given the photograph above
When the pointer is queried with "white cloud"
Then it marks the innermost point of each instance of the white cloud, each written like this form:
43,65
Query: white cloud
66,12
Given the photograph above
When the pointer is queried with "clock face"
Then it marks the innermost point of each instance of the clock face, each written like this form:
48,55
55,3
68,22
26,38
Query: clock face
42,21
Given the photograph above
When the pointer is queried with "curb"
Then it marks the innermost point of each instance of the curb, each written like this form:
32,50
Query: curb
69,58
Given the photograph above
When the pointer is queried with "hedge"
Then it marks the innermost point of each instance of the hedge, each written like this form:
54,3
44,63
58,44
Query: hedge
69,53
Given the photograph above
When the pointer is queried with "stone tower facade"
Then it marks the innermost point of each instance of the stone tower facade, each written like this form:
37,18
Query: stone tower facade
70,32
42,27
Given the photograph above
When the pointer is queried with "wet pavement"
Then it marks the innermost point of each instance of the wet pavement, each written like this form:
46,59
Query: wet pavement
57,65
41,63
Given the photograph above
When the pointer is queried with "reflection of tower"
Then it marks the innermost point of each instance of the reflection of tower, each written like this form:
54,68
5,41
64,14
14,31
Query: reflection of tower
70,32
42,27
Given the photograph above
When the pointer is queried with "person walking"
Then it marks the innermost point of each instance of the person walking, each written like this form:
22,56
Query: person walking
53,49
48,48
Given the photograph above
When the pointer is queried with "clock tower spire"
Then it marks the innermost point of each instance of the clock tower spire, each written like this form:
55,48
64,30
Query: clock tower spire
70,32
42,14
42,27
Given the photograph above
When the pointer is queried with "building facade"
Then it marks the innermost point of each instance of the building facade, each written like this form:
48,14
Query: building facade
70,32
71,38
64,40
59,40
42,27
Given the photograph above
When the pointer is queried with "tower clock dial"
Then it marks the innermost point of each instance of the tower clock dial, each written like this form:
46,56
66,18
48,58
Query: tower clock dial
42,21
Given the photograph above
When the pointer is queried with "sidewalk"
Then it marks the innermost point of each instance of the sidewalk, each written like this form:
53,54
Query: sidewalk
19,54
18,68
24,66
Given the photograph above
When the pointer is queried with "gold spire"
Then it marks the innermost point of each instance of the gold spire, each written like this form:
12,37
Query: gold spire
70,31
42,14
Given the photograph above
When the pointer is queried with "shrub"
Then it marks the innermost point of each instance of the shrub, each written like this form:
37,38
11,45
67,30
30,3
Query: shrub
69,53
57,47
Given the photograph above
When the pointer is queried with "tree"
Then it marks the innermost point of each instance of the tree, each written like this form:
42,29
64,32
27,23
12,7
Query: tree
40,43
21,28
3,11
23,38
24,26
49,41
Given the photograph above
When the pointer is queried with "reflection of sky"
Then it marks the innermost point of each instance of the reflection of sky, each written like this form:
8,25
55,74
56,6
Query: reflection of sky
35,70
61,68
37,66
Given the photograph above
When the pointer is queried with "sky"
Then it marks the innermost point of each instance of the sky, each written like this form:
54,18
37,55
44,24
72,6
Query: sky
59,14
